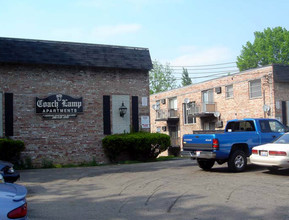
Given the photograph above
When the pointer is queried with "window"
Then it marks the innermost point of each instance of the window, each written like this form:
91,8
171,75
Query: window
209,126
173,103
271,126
158,103
208,96
208,104
284,139
173,107
255,88
229,91
159,113
238,126
189,109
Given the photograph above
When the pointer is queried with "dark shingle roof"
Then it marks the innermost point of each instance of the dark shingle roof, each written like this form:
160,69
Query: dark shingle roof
26,51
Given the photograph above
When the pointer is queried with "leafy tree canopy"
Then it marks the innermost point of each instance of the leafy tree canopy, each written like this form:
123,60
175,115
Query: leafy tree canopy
270,46
161,78
186,80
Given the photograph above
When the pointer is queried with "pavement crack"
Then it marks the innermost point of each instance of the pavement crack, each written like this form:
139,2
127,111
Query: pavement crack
125,188
123,204
231,193
175,201
155,190
147,183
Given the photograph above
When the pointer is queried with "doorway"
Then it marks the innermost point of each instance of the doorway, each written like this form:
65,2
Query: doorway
173,132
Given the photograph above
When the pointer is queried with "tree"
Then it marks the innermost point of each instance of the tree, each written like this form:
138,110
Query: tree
270,46
186,80
161,78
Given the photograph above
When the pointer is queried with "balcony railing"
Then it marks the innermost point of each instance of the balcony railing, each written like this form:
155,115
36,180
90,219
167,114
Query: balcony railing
203,108
208,107
166,114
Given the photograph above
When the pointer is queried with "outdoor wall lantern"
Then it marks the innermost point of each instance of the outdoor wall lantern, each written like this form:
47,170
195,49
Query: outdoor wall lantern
122,110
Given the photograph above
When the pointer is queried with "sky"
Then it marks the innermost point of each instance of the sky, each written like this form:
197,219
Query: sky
196,34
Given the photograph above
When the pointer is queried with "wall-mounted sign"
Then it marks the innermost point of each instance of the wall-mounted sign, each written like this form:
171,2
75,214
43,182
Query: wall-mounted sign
145,121
144,101
59,106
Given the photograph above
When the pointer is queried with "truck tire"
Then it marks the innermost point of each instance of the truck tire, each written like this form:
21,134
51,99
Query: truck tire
205,164
237,161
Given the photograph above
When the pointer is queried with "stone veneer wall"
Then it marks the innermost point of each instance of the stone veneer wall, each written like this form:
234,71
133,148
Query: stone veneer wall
72,140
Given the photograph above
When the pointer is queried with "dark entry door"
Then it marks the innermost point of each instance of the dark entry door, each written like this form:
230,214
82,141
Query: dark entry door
173,132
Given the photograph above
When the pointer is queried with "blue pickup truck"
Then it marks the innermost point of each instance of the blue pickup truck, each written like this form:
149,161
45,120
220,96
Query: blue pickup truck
234,145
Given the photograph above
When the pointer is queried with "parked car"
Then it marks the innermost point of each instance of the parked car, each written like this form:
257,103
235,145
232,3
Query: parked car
13,203
8,172
273,155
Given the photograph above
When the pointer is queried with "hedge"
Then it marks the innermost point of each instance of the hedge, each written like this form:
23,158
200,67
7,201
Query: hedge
141,146
10,150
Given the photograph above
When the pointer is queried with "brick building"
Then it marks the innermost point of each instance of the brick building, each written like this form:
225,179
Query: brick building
62,98
258,93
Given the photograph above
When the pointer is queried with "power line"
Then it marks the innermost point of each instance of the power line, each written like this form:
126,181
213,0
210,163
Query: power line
208,68
198,73
218,64
207,76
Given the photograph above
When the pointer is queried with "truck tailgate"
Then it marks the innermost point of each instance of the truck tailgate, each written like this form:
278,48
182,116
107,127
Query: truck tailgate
200,142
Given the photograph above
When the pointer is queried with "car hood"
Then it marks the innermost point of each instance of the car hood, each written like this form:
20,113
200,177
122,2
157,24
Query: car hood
13,191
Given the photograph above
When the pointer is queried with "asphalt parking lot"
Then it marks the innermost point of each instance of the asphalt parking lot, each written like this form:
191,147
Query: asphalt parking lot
175,189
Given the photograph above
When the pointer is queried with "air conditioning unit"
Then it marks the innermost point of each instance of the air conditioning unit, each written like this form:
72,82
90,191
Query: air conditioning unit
219,124
218,90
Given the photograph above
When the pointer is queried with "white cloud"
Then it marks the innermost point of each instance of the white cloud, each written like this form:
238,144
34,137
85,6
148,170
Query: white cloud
192,55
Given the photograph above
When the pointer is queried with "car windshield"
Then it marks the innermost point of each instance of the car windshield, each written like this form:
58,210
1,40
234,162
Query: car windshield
284,139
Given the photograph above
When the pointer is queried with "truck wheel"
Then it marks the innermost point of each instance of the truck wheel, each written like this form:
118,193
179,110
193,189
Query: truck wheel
237,161
205,164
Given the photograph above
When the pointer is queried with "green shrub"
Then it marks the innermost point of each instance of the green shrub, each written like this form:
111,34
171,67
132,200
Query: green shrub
24,163
135,146
10,150
46,163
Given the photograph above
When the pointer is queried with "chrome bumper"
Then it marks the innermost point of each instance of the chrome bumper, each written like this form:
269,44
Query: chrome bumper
198,154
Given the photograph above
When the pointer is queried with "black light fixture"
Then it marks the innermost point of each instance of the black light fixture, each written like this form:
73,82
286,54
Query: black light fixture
122,110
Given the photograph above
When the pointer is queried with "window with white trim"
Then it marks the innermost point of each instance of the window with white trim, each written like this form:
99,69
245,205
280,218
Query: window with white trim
158,104
158,129
255,88
189,109
229,91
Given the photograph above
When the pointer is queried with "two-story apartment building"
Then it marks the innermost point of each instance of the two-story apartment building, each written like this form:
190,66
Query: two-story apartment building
259,93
